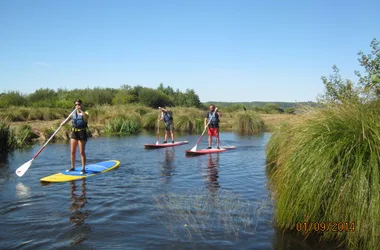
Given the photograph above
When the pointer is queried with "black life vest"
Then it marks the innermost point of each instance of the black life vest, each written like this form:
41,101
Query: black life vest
168,116
214,119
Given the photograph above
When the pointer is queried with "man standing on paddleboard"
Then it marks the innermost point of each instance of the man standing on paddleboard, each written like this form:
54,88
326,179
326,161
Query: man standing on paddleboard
213,127
167,116
78,135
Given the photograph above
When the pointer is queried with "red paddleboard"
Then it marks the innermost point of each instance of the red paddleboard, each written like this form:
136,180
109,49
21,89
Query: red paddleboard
163,145
209,151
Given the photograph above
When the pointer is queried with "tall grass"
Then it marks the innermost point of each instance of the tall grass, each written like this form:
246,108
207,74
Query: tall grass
149,120
249,122
188,119
13,138
122,125
327,170
4,136
15,114
22,136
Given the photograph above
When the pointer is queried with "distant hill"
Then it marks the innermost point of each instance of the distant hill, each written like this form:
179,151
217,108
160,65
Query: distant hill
283,105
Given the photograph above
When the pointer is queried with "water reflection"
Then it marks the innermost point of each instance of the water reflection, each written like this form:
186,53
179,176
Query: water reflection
4,173
79,201
22,191
168,166
211,173
286,240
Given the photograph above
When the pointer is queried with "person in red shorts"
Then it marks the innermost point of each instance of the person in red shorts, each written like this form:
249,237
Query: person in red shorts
213,127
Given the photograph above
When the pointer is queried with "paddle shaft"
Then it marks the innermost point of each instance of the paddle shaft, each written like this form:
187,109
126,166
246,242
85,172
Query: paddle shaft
158,128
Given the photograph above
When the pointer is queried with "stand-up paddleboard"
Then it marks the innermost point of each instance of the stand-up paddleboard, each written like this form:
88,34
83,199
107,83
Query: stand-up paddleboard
209,151
91,169
163,145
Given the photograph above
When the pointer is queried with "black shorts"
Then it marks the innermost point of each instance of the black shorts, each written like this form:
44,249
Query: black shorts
169,126
79,135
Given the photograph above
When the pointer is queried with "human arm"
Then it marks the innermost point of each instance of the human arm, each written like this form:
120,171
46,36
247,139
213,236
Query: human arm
65,121
163,110
206,119
86,116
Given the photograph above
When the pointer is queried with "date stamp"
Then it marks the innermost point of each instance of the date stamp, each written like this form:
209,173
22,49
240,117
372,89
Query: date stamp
324,226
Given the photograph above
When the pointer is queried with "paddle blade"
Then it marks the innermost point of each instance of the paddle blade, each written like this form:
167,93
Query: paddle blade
194,149
157,143
21,170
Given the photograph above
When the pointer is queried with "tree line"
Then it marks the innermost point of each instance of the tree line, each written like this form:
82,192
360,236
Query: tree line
63,98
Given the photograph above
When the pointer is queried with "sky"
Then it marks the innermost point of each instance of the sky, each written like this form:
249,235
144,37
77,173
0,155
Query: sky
233,51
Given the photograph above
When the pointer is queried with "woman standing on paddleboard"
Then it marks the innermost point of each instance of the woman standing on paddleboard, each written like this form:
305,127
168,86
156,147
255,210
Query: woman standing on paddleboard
78,135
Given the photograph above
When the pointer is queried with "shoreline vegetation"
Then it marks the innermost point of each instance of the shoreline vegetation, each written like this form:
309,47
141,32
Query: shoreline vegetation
30,125
127,110
323,168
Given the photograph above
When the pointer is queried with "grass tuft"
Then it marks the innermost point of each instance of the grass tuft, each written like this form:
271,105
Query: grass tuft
325,167
249,122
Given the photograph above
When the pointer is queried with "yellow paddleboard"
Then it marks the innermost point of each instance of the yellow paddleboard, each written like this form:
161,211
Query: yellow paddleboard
92,169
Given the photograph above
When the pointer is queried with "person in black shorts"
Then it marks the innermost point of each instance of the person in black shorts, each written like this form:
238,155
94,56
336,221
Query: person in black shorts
78,135
167,116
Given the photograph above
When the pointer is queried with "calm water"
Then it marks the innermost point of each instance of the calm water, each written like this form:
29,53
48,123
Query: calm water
156,199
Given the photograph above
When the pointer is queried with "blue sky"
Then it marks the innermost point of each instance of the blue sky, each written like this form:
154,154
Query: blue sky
224,50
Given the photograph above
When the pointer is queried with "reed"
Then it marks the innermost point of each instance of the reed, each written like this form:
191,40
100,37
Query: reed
249,122
188,119
149,120
327,169
122,125
4,136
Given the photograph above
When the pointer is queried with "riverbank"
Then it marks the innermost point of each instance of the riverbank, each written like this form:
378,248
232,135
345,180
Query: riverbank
41,127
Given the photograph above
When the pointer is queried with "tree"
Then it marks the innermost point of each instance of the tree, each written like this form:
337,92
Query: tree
371,64
153,98
337,89
12,98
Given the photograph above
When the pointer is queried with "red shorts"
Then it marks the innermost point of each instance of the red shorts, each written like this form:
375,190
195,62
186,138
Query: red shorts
213,132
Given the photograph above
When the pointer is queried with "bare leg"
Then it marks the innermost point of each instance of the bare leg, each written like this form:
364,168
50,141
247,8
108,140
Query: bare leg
82,147
172,134
74,145
209,140
166,135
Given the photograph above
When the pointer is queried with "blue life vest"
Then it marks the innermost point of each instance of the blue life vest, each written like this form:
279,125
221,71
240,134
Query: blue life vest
214,120
168,116
78,121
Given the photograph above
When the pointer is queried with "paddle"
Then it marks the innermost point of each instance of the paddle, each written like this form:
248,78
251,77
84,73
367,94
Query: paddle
195,147
158,129
21,170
